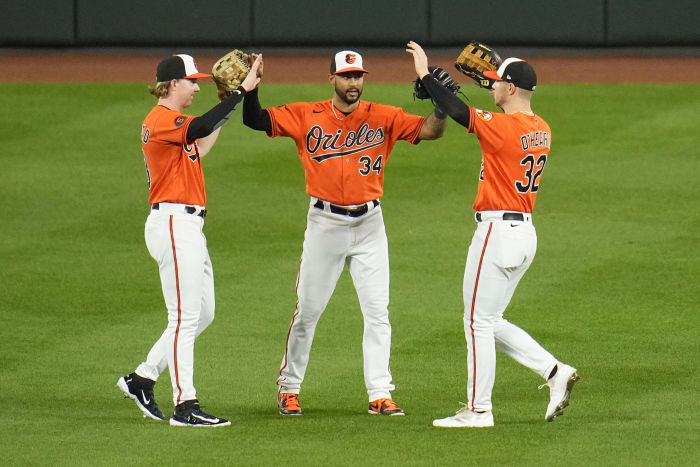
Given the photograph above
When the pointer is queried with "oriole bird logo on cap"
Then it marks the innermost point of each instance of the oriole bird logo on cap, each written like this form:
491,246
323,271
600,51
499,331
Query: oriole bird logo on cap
350,58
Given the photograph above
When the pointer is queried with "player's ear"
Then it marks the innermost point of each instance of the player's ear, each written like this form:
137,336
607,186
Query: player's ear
331,78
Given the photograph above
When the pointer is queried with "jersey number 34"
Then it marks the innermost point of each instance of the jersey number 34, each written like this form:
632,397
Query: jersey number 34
369,166
533,171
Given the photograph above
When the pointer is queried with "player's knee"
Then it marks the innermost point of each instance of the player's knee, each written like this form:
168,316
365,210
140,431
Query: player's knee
376,315
206,318
477,321
310,310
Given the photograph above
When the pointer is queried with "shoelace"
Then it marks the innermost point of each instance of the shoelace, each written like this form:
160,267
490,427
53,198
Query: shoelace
391,405
541,386
291,401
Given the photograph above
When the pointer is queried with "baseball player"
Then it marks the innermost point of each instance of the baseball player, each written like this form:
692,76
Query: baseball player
515,148
173,144
343,143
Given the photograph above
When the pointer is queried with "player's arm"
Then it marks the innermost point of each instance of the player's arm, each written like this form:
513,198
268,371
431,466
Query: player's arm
442,97
448,102
204,126
433,128
205,144
254,116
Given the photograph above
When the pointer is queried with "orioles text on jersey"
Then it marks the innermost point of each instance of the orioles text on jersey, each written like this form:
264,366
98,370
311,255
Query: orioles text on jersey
365,138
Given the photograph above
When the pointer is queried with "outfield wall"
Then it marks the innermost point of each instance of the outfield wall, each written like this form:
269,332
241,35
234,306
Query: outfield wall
381,23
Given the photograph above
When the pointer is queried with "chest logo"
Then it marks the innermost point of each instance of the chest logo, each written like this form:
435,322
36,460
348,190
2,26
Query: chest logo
339,144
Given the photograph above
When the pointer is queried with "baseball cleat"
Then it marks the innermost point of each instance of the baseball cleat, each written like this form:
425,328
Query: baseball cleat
288,404
188,413
385,406
465,418
141,391
560,386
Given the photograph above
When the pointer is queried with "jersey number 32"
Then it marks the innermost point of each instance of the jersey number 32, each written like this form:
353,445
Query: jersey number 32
533,171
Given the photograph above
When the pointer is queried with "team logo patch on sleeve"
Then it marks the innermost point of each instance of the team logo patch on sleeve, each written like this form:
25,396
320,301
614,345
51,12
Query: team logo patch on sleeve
484,115
180,120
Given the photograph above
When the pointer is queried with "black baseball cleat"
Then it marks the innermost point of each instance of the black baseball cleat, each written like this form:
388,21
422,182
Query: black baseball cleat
140,389
188,413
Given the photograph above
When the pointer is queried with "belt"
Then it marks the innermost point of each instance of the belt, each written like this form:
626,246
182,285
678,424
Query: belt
188,210
345,211
507,216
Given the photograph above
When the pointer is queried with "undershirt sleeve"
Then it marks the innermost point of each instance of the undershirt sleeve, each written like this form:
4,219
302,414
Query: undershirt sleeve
448,102
253,114
206,124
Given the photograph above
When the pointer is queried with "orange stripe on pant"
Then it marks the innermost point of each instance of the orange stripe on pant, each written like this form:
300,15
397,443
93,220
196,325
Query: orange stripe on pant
471,316
179,310
286,345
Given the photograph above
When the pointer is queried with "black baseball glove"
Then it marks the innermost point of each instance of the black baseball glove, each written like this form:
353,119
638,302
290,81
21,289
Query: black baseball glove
442,77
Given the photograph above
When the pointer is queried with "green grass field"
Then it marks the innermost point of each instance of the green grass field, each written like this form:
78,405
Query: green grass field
613,290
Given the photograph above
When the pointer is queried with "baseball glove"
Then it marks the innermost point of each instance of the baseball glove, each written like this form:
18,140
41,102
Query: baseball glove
442,77
230,70
475,59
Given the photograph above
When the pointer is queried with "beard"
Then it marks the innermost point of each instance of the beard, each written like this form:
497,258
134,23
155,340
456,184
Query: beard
343,95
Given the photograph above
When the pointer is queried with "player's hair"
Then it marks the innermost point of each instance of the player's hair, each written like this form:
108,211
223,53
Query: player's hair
160,89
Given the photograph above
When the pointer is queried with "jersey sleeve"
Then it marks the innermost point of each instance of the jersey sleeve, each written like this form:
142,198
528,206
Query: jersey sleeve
405,126
286,120
172,127
488,127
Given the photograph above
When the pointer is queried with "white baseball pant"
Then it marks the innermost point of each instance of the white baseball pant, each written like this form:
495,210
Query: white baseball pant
331,241
176,241
500,253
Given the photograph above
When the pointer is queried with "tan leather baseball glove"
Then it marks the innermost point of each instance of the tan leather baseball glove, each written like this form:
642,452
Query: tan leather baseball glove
230,70
475,59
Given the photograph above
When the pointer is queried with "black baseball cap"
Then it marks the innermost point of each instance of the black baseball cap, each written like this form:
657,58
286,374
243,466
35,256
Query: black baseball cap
516,71
178,67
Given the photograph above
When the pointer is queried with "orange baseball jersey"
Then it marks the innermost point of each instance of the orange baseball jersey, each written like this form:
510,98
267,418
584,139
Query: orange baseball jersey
172,163
515,148
344,156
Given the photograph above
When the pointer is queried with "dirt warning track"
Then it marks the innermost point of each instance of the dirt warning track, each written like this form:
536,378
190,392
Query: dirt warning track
79,67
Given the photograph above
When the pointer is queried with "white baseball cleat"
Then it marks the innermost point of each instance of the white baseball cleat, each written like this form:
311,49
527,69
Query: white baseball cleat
560,386
465,418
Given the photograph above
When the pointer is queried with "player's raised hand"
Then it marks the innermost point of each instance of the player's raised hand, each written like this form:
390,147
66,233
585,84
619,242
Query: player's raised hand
254,75
260,69
420,59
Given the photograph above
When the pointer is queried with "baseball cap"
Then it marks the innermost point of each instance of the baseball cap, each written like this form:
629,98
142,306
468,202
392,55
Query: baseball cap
345,61
177,67
516,71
